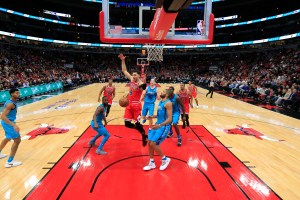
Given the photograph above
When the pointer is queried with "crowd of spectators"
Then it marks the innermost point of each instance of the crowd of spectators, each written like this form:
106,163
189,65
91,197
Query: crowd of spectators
272,77
266,77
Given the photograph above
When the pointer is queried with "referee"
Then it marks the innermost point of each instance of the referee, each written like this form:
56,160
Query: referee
211,86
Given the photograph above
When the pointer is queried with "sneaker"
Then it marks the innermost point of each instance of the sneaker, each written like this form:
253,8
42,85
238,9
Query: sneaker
12,164
144,121
139,118
170,134
183,126
145,139
100,152
164,164
92,144
150,166
2,155
179,142
187,123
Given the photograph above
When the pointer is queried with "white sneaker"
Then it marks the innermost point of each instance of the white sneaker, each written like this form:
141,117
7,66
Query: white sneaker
150,166
164,164
2,155
12,164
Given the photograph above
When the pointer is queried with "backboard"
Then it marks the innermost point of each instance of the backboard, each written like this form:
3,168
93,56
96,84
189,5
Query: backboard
147,28
142,62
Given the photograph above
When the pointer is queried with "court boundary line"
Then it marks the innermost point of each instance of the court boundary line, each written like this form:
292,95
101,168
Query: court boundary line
207,148
244,164
288,127
37,184
249,103
104,169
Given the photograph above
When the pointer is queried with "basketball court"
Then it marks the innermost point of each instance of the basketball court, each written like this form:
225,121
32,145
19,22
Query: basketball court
211,163
231,150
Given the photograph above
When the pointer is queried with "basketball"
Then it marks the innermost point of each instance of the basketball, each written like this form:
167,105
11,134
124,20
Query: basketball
123,101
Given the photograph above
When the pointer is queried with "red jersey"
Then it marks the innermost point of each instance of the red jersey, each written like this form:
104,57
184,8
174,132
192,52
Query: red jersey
109,92
185,99
135,92
192,88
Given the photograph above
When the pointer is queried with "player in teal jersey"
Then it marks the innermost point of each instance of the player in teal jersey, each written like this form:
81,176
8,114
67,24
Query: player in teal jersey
12,131
98,126
149,96
158,133
177,108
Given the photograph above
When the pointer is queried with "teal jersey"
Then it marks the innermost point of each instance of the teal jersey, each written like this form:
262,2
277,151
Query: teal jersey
162,112
176,107
150,96
100,117
12,115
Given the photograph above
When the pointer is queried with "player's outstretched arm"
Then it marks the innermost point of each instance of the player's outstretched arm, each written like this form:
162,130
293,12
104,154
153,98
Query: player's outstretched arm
124,69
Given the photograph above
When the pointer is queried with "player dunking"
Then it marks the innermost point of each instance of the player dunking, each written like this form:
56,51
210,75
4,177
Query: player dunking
193,90
177,104
185,97
149,96
159,132
133,110
10,127
109,92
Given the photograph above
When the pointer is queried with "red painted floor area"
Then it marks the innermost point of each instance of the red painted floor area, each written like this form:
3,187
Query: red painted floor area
201,169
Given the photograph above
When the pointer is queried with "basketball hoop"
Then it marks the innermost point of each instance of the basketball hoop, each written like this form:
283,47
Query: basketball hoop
155,52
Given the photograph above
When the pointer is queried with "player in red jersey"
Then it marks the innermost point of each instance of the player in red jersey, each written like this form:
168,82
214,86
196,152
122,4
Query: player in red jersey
133,110
193,90
109,92
185,97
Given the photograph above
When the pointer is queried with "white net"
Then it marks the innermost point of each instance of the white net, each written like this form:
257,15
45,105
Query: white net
155,52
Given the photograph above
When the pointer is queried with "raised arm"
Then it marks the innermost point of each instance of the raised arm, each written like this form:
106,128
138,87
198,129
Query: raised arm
124,69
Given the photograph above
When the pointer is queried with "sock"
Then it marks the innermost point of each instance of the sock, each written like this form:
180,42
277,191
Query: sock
164,158
10,158
152,160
